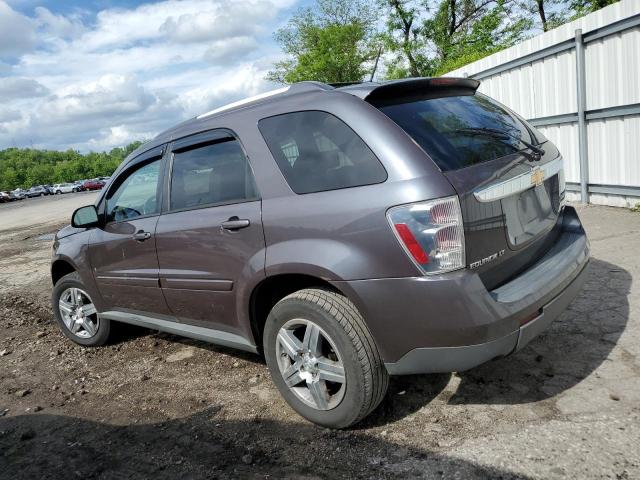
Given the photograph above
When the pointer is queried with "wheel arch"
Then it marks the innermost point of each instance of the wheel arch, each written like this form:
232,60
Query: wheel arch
61,267
274,288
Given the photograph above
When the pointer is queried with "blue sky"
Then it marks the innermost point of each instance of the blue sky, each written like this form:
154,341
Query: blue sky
95,74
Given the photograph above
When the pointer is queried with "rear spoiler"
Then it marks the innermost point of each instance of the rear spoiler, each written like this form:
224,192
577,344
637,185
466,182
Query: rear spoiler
412,87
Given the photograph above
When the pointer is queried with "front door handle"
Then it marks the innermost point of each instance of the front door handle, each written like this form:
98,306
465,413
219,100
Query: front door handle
141,236
235,223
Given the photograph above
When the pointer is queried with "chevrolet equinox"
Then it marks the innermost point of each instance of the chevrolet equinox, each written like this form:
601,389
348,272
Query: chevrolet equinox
347,233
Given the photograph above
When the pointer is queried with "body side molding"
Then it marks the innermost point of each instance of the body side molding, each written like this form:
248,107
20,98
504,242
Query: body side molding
209,335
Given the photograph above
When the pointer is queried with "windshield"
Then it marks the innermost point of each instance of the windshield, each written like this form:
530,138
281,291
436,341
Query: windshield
460,131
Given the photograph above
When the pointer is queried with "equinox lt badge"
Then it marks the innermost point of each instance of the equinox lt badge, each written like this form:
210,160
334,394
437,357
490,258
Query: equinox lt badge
486,260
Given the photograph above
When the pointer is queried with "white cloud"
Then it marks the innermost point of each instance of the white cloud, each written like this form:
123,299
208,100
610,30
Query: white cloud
7,115
17,32
111,95
131,73
236,84
229,52
116,135
224,20
16,87
58,25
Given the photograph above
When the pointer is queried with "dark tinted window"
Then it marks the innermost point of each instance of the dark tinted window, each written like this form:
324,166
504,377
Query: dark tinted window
316,152
210,174
449,129
136,194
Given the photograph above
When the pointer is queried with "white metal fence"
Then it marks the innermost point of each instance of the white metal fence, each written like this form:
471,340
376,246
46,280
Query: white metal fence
579,84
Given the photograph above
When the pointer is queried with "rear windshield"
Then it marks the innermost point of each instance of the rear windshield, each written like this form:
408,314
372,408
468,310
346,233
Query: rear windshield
459,131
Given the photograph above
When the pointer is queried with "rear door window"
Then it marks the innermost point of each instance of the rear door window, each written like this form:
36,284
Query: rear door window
317,152
459,131
211,174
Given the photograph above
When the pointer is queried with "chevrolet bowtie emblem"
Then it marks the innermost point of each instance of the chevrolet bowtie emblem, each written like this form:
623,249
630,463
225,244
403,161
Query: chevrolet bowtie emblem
537,177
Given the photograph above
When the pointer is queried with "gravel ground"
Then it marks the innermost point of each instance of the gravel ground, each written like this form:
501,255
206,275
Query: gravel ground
155,405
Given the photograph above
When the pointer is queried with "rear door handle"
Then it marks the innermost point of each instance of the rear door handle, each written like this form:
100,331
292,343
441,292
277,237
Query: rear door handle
235,223
141,236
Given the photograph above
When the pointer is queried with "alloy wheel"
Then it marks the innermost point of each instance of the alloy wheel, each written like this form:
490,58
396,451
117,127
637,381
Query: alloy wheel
78,312
310,364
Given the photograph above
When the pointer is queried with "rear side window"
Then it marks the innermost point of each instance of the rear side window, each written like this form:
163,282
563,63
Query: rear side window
211,174
459,131
317,152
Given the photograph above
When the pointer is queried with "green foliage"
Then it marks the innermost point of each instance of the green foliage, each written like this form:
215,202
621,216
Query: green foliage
337,40
545,14
332,42
583,7
431,42
404,41
25,167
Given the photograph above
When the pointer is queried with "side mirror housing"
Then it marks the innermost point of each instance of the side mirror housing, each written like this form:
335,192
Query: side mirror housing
85,217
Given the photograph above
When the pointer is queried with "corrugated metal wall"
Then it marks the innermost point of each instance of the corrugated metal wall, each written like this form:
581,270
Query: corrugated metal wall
538,79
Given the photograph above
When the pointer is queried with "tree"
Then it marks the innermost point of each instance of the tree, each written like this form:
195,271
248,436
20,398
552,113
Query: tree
550,13
430,38
336,40
404,40
463,31
332,42
583,7
24,167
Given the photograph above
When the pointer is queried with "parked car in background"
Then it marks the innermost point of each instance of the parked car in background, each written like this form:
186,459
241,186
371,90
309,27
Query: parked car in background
19,194
348,234
78,185
93,184
38,191
16,196
59,188
5,197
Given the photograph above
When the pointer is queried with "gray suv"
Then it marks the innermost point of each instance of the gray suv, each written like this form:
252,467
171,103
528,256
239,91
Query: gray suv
347,233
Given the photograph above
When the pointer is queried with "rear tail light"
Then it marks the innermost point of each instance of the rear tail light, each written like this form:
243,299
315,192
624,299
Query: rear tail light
431,233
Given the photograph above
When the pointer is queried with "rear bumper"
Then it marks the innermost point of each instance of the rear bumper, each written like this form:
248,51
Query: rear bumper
458,359
451,322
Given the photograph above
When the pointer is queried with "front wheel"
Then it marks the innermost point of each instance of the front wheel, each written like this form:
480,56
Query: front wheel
76,313
323,358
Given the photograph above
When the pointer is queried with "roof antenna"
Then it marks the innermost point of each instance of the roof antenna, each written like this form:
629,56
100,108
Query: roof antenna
375,65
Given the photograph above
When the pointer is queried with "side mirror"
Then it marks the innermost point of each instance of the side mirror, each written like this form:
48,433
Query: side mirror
85,217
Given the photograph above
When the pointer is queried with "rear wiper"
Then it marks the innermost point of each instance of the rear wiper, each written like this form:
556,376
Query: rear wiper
501,135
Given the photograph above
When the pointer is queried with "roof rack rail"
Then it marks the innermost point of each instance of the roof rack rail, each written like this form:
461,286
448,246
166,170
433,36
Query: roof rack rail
293,88
244,101
309,85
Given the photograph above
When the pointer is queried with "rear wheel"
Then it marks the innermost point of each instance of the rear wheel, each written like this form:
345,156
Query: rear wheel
323,359
76,313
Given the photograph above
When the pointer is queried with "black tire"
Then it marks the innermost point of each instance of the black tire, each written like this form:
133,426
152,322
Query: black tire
104,326
366,377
